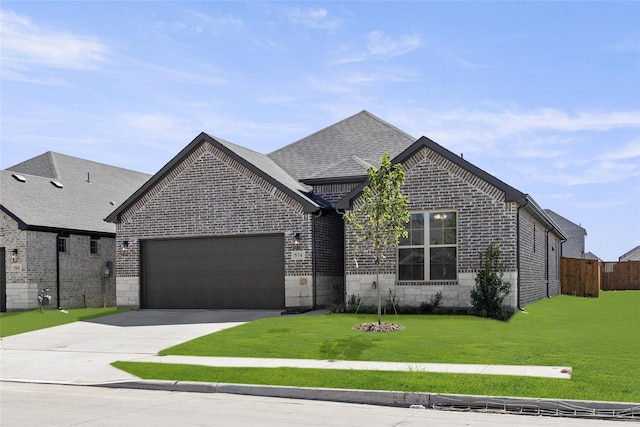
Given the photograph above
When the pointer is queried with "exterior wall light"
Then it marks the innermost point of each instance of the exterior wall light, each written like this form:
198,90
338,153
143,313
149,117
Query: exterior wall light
14,255
297,242
125,247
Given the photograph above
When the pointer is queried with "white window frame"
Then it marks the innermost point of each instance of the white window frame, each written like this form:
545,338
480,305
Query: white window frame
426,246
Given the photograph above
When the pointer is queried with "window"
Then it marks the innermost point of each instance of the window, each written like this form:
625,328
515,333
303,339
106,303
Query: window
430,250
62,245
93,246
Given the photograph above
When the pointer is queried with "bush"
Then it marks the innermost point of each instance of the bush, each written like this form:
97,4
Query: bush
489,292
433,306
353,303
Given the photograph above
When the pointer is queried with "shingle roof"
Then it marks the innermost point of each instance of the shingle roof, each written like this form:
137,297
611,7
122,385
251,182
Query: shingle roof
632,255
259,163
265,164
331,152
80,205
568,226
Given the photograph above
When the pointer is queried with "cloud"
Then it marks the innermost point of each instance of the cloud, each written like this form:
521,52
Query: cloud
314,18
477,130
629,151
382,45
628,45
378,46
207,77
26,46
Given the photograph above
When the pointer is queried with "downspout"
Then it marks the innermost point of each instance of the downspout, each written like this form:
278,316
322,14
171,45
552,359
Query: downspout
546,262
526,200
344,258
58,236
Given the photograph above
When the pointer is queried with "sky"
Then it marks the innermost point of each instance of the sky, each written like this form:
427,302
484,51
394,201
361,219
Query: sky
543,95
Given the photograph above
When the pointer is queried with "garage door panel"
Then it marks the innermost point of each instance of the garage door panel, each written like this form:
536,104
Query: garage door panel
210,273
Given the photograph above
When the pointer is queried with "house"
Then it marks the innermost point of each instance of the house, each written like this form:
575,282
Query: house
574,246
53,233
222,226
632,255
591,255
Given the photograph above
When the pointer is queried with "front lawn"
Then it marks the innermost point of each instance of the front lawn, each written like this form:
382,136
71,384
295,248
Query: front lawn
18,322
599,338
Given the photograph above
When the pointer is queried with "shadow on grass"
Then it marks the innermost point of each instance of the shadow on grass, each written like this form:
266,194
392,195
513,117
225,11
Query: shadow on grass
347,348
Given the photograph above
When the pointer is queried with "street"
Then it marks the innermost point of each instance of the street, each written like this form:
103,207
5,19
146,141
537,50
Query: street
28,404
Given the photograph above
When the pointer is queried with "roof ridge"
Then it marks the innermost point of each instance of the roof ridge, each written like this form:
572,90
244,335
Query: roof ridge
54,166
324,129
373,116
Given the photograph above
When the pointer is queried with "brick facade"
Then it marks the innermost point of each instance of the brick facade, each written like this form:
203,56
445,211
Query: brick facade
82,281
433,183
210,194
328,253
539,260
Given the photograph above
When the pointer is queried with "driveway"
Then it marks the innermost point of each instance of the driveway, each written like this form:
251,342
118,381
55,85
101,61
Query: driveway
81,352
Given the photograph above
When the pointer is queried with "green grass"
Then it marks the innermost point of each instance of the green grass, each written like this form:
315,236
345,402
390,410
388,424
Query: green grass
599,338
19,322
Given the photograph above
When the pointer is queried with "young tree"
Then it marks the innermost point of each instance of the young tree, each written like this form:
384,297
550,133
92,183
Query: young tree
380,214
490,290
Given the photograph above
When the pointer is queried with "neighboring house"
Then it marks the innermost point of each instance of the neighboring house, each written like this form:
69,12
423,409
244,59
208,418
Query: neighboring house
591,255
574,246
221,226
53,233
632,255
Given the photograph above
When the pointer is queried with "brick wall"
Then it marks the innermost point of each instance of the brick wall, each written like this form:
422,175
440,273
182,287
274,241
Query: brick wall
434,183
21,295
81,281
210,194
82,274
329,255
334,192
538,262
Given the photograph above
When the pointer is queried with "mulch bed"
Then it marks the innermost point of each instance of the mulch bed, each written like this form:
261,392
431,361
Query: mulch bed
382,327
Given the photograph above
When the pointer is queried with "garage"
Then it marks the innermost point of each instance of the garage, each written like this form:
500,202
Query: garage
238,272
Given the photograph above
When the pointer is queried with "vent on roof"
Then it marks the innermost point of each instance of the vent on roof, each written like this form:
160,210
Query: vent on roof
56,184
19,177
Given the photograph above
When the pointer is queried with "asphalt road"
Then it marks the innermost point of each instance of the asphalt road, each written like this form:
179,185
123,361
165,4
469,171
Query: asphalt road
28,404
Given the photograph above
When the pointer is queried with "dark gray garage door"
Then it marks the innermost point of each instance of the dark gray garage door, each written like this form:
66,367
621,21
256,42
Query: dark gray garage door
224,272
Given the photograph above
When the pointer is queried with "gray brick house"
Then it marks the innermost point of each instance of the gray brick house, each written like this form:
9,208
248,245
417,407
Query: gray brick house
53,234
221,226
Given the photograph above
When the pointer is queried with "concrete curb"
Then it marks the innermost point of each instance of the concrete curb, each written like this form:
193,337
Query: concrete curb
527,406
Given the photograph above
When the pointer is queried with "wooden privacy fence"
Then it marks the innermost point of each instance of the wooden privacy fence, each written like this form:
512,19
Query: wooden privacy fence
580,277
585,277
620,276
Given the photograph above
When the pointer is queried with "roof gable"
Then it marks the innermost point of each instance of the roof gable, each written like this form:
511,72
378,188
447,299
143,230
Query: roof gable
328,152
511,194
256,162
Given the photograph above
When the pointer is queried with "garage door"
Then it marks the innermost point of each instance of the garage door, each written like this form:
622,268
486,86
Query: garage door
244,272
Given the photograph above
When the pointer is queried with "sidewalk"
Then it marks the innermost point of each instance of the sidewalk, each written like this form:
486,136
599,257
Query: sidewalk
247,362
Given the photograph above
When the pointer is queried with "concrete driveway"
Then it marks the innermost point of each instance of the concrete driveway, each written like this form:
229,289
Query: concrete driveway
81,352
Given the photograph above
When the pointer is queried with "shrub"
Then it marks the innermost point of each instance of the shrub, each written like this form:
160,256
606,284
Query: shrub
433,306
353,303
490,290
